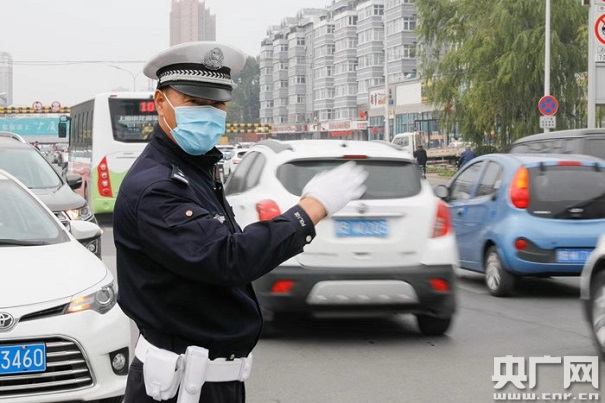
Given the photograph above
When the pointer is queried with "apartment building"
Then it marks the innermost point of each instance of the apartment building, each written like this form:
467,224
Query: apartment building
320,69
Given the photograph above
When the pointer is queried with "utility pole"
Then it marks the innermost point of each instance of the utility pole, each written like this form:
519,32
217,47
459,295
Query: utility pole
592,82
547,56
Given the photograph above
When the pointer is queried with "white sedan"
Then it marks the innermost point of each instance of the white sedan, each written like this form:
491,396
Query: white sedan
62,335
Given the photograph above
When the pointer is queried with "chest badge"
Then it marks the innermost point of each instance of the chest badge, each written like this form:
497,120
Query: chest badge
219,218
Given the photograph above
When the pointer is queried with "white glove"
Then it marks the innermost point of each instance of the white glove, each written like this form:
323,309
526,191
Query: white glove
336,187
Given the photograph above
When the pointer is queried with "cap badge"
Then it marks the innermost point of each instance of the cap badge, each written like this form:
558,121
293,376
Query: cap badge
214,59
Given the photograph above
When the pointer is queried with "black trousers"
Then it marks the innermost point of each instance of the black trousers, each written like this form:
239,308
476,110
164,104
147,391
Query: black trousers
212,392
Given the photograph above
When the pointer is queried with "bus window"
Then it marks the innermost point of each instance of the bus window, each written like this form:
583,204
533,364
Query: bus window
132,120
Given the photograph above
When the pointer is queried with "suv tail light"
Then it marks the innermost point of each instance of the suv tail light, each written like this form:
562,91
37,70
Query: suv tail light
103,181
267,209
443,221
519,189
354,157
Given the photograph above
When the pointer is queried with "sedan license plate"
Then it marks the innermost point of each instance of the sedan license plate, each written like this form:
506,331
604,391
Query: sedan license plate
361,228
22,358
573,255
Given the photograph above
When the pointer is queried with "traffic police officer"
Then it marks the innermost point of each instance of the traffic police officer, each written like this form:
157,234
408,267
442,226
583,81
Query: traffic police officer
184,265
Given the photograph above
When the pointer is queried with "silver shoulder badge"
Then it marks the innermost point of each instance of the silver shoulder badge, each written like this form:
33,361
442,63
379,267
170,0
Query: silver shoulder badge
178,175
214,59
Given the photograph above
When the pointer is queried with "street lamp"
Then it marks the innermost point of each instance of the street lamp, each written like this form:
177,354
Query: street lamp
134,76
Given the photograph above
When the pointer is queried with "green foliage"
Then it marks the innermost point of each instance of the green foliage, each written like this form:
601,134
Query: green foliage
483,64
486,149
244,107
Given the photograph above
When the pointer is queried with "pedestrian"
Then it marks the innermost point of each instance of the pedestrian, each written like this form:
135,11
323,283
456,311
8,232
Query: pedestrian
421,158
184,266
467,155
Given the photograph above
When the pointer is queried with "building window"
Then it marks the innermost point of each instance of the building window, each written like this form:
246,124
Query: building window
409,23
300,41
408,51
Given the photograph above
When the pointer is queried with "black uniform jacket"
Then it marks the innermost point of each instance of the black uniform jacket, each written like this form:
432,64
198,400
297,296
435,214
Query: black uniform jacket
184,266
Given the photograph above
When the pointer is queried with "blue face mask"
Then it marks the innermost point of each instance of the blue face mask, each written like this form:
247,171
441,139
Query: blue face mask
198,128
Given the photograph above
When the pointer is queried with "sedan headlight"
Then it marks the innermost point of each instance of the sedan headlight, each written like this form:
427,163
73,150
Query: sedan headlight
100,301
83,213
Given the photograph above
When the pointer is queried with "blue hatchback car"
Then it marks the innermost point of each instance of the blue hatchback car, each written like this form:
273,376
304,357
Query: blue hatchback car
526,215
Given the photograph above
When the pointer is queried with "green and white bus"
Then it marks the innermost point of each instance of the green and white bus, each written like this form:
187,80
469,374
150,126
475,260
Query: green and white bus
107,134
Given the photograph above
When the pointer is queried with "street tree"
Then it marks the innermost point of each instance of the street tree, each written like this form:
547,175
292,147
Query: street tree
244,107
482,63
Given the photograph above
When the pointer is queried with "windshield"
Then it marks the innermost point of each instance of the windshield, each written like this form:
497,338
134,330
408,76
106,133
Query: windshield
132,120
567,192
386,180
31,168
23,221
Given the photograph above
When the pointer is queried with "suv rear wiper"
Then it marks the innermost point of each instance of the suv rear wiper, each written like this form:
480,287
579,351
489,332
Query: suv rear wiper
580,205
21,242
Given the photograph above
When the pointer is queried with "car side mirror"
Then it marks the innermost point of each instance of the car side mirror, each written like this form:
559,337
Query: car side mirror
442,192
74,180
85,231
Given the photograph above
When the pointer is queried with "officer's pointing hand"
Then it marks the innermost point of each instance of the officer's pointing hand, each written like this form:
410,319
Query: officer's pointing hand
336,187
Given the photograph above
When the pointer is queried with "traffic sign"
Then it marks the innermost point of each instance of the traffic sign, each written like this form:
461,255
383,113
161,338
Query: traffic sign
37,106
55,106
599,29
548,122
548,105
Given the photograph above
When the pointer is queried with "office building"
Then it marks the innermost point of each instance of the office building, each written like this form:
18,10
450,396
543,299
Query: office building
190,20
6,79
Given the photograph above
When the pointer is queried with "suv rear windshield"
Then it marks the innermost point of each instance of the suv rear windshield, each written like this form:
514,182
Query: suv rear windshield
567,192
387,179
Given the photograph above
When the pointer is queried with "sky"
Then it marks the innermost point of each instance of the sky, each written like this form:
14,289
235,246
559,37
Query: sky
108,32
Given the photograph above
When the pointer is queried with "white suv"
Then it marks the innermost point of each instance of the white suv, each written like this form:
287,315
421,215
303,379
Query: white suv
392,251
236,157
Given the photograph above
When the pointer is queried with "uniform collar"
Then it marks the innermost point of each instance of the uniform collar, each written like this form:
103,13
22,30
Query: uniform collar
161,141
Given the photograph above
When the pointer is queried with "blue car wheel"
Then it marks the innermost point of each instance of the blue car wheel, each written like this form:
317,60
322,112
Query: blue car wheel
499,281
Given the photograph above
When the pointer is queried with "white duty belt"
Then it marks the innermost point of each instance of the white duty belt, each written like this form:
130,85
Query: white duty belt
166,372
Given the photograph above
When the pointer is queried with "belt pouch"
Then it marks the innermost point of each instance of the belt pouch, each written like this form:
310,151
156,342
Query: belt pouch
162,372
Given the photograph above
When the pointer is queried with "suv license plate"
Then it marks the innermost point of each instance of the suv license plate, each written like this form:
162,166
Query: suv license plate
572,255
22,358
361,228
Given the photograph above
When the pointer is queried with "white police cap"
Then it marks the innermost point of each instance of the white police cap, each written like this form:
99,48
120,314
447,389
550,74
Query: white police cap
198,69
